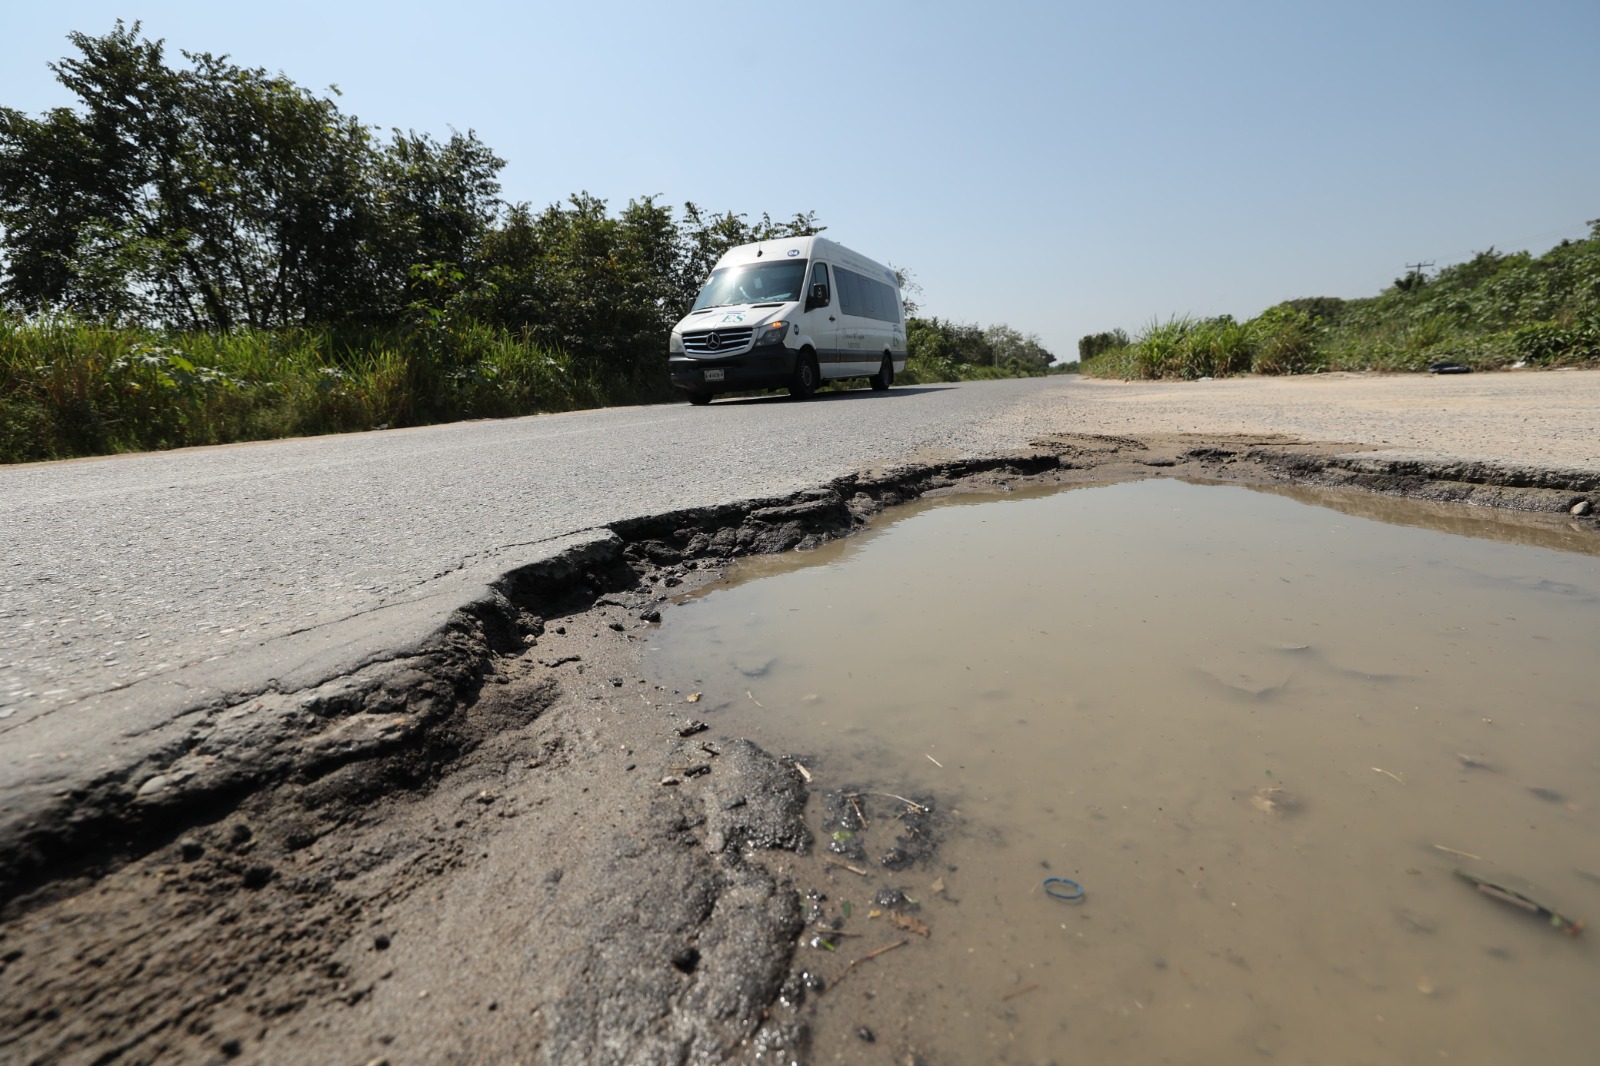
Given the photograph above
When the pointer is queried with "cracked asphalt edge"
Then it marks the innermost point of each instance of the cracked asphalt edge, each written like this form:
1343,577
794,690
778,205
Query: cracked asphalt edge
119,765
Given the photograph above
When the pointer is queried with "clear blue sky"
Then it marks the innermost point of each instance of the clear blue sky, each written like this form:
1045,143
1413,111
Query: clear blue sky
1061,167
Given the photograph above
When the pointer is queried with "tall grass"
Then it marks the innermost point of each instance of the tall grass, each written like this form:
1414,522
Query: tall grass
71,388
1492,311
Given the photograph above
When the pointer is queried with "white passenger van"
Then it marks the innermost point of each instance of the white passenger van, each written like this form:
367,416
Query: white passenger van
792,312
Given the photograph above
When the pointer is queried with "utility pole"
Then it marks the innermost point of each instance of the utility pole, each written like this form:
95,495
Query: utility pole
1418,268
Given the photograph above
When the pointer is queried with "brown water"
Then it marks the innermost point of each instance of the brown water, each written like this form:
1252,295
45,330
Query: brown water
1244,723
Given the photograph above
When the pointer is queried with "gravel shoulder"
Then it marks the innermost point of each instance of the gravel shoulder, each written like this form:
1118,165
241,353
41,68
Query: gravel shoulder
1546,419
468,831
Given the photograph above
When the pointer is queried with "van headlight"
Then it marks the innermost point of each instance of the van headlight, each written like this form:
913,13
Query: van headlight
675,344
772,333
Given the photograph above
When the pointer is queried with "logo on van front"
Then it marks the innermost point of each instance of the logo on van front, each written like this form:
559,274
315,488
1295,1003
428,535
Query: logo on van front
793,252
713,342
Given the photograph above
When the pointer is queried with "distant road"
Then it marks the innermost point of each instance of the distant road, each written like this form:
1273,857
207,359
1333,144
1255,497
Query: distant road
137,570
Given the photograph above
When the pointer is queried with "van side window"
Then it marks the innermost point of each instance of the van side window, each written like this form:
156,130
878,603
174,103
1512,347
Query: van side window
819,276
865,297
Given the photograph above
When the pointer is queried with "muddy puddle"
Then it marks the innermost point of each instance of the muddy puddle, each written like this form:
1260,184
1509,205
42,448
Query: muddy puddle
1262,735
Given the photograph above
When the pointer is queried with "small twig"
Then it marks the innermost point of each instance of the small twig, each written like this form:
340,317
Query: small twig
1495,892
1014,993
935,762
1528,903
1453,851
1386,773
845,866
753,699
891,795
803,772
869,955
857,808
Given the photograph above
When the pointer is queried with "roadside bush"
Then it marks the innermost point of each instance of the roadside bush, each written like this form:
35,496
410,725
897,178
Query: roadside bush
72,388
1488,312
1548,343
1284,341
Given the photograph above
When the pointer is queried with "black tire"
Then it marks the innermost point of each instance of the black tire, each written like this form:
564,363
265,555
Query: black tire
699,399
881,381
803,385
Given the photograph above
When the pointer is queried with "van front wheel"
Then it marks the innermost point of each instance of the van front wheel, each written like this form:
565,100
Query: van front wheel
804,382
699,399
881,381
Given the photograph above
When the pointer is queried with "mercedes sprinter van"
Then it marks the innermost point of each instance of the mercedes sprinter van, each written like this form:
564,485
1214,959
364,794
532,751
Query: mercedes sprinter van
790,313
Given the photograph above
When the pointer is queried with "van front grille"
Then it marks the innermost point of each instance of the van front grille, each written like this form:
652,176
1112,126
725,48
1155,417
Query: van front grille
717,341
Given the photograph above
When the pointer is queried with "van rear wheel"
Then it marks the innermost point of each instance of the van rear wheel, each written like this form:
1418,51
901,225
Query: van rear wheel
881,381
699,399
804,382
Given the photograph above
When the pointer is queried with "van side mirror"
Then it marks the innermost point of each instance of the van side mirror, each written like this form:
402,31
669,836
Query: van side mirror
819,295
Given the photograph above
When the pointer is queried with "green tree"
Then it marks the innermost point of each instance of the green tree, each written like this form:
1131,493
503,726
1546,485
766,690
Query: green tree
218,196
1093,344
1016,351
75,186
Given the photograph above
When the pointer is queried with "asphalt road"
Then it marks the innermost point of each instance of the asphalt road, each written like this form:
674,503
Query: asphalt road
132,567
133,577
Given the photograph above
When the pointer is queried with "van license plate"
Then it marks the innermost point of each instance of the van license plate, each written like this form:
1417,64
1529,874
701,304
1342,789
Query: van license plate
713,375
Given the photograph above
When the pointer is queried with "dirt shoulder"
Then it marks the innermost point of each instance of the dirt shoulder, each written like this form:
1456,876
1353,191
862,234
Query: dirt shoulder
507,845
1543,419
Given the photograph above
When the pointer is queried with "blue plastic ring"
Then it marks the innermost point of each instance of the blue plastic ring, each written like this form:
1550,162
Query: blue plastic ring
1075,893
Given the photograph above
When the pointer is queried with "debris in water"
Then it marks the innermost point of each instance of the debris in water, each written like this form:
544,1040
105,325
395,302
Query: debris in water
1453,851
829,861
1386,773
1549,795
753,699
691,727
1063,888
803,771
890,795
867,958
1014,993
1472,762
1527,903
693,697
909,924
935,762
1274,799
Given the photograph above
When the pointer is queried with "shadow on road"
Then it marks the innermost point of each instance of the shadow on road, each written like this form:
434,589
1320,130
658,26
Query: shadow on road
834,397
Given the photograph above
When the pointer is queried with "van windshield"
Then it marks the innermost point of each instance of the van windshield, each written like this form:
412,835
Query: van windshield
753,283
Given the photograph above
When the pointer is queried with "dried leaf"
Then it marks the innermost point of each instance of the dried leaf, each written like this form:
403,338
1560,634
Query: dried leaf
693,697
908,923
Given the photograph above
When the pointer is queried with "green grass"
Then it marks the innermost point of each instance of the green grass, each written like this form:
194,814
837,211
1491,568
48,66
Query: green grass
1492,312
70,388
